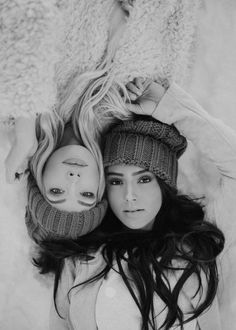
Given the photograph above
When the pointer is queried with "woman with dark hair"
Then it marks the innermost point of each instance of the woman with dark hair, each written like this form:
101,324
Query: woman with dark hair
151,264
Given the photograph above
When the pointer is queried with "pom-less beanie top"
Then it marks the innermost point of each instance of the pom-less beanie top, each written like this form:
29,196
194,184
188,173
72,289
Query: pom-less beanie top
149,144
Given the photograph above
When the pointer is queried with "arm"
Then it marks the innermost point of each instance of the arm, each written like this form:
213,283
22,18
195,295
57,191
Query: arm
217,143
175,106
23,146
212,137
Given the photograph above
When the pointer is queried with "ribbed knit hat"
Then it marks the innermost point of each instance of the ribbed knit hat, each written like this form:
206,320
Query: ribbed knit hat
44,221
147,143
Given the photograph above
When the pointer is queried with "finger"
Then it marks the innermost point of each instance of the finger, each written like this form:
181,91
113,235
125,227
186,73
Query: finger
139,82
126,5
15,162
10,174
135,108
134,89
147,83
132,96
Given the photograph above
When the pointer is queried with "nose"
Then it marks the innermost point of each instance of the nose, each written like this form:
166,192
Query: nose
72,175
130,194
73,183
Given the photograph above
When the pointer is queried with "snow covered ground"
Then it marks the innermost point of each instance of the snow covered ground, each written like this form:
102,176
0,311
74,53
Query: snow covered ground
24,295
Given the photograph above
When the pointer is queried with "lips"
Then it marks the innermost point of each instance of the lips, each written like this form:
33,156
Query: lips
133,211
75,162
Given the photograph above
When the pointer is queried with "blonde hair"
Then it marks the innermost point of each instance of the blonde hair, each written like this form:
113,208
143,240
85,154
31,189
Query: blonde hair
92,102
49,132
100,105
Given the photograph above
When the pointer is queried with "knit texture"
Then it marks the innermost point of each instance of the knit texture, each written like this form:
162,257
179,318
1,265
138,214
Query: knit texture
44,221
149,144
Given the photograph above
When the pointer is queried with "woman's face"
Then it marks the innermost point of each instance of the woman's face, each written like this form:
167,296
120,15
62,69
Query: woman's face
134,195
71,179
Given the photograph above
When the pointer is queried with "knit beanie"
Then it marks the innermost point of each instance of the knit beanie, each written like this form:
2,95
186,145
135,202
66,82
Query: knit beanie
44,221
147,143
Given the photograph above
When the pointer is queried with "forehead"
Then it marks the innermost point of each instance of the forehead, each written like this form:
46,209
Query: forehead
125,169
73,151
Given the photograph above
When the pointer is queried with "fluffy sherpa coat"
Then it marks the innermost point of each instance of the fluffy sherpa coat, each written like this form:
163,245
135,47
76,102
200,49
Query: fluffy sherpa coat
44,44
158,41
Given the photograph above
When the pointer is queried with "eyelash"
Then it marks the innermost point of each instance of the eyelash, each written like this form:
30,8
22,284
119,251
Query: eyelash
88,194
145,179
56,191
116,182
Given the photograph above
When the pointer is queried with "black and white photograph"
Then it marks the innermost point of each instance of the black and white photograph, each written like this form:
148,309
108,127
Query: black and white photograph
118,164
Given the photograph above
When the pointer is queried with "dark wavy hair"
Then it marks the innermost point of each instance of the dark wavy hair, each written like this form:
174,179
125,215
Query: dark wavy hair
180,240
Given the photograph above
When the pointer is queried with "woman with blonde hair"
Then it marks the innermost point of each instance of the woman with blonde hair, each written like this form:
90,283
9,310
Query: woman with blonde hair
66,181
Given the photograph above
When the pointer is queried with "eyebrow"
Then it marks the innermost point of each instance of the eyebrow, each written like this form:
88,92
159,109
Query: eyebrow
75,164
59,201
86,204
133,174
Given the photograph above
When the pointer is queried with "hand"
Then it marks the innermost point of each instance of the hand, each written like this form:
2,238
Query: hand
24,145
145,96
126,5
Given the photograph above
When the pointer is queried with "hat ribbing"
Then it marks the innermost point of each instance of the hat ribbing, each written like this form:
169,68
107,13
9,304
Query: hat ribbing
44,221
149,144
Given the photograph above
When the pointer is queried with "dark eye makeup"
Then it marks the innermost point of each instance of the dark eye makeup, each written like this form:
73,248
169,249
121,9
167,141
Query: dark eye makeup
114,181
145,179
56,191
87,194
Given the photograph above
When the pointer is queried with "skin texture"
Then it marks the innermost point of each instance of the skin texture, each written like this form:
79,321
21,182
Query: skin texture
23,145
134,195
71,179
145,95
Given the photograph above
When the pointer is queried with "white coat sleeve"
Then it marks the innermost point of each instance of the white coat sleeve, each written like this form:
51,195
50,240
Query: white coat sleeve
217,143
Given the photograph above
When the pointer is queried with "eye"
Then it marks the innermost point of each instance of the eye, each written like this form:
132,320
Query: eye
87,194
56,191
145,179
114,182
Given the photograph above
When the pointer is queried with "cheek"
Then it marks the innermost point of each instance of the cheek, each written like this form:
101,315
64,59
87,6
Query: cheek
47,177
51,175
89,181
94,178
154,199
113,197
53,178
